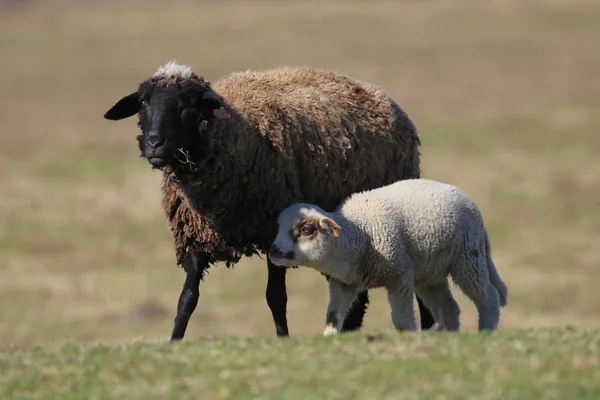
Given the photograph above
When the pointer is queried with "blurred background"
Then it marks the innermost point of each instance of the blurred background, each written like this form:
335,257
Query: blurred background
505,95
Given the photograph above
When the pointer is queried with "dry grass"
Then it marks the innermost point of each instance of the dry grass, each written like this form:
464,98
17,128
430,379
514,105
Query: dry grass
505,95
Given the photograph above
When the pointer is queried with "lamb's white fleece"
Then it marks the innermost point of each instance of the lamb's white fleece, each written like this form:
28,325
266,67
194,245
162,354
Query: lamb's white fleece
408,236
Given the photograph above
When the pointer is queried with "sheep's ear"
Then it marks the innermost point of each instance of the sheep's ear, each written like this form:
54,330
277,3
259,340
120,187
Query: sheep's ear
214,102
124,108
328,223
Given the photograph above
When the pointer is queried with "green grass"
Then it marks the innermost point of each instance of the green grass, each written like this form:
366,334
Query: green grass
528,364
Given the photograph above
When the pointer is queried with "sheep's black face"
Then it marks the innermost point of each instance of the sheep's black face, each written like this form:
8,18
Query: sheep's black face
170,118
163,129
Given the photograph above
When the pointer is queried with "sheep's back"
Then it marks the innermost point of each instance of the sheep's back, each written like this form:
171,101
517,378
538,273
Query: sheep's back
334,135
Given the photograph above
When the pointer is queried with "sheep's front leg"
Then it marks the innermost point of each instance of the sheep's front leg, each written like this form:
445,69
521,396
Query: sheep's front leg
341,297
276,294
194,266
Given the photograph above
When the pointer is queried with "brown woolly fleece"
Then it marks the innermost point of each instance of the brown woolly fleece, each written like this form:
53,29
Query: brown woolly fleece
293,135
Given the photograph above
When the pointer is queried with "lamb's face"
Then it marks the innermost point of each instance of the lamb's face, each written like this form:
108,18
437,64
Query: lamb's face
304,237
172,106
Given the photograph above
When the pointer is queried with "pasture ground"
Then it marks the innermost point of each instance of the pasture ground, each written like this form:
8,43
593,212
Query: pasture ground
505,96
558,363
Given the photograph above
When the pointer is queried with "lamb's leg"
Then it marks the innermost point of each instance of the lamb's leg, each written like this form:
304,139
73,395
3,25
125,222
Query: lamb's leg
489,309
277,297
438,297
354,318
341,297
400,297
472,277
194,266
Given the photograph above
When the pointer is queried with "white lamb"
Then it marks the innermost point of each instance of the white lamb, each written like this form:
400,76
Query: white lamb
406,237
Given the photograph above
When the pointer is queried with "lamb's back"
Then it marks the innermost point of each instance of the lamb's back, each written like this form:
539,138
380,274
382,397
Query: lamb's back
424,217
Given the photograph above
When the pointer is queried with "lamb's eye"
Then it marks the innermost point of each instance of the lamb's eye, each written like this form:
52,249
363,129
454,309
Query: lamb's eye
307,230
143,102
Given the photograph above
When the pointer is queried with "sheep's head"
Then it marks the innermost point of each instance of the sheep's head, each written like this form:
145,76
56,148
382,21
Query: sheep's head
304,237
173,106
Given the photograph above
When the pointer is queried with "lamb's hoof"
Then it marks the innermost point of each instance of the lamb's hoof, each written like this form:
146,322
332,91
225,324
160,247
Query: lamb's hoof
330,330
402,327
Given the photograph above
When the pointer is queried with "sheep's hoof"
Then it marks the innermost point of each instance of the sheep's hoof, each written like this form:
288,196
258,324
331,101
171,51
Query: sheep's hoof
434,328
330,330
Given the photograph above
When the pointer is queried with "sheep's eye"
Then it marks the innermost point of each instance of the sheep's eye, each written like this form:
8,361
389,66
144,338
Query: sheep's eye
307,230
143,102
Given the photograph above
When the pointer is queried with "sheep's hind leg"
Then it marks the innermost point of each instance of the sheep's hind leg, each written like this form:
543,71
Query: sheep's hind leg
354,318
438,297
341,297
427,319
194,266
276,295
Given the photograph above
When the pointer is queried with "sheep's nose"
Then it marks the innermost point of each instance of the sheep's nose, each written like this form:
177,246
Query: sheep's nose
154,143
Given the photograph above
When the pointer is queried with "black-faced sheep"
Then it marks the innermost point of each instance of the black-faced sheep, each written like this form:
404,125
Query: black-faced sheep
237,152
406,237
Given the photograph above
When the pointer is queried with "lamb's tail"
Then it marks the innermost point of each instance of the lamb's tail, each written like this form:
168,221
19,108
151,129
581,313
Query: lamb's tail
493,273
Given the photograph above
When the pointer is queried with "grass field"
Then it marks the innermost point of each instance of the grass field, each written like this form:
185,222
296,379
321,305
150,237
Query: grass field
533,364
505,96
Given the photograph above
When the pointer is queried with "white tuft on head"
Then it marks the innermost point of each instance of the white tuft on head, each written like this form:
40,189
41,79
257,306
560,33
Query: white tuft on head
173,70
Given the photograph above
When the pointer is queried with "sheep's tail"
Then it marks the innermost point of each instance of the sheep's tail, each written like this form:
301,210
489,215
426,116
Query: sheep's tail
493,272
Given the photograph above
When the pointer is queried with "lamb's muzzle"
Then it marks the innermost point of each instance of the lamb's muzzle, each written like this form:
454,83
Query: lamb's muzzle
277,256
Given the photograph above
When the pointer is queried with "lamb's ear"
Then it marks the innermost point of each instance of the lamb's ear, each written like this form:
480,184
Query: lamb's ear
328,223
124,108
214,102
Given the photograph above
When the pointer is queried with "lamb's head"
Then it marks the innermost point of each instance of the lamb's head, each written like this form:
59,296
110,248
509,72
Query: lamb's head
174,106
305,236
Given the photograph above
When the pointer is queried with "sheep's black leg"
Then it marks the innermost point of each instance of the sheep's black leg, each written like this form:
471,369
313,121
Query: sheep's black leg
354,318
427,319
194,266
277,297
